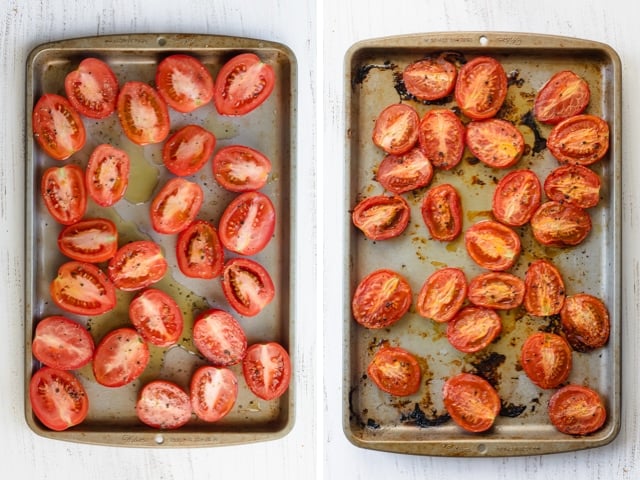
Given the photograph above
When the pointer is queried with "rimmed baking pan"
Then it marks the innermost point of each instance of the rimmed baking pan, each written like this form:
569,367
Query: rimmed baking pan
419,424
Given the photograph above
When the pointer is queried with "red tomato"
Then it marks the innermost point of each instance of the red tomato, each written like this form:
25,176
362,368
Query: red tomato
163,404
546,359
564,95
176,205
120,357
442,212
481,88
94,240
471,401
57,127
582,139
61,343
248,223
157,317
213,392
247,286
442,294
64,193
395,371
107,174
396,129
381,217
441,138
497,290
473,329
219,337
241,169
58,398
560,225
430,79
544,289
403,173
184,83
267,370
199,251
381,299
92,88
187,150
516,198
573,184
585,322
143,113
243,83
495,142
577,410
137,265
492,245
83,288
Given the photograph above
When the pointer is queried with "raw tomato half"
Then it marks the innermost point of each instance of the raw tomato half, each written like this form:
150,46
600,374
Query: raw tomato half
247,286
83,288
93,240
199,251
176,205
247,223
107,174
120,357
238,168
143,113
64,193
188,150
61,343
157,317
213,392
164,405
92,88
184,82
57,126
137,265
219,337
267,370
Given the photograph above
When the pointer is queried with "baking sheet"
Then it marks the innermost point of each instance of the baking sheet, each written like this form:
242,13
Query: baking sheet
418,424
269,129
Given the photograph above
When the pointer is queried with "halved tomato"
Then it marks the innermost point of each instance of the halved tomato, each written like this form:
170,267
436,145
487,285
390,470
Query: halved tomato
564,95
83,288
395,371
585,322
442,212
381,299
544,289
157,317
430,79
442,294
143,114
219,337
199,251
61,343
247,223
107,174
582,139
92,88
57,127
267,370
481,88
120,357
64,193
184,82
238,168
574,184
560,224
213,392
471,401
492,245
403,173
495,142
577,410
497,290
546,359
137,265
381,217
247,286
396,129
176,205
441,138
94,240
516,197
163,404
187,150
473,329
243,83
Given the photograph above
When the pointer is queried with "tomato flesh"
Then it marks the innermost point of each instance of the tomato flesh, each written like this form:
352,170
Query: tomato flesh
143,114
577,410
564,95
57,127
492,245
442,294
184,82
187,150
560,224
92,88
61,343
442,212
266,368
573,184
395,371
441,137
176,205
581,139
120,357
157,317
495,142
219,338
164,405
471,401
94,240
396,129
247,286
238,168
199,251
248,223
381,217
137,265
83,288
403,173
473,329
64,193
381,299
213,392
585,322
430,79
481,88
516,198
544,289
107,175
497,290
546,359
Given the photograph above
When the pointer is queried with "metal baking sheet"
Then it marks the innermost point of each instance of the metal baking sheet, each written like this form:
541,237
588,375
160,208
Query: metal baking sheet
418,424
270,129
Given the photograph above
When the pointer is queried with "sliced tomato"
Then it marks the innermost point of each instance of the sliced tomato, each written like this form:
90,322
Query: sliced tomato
238,168
61,343
163,404
247,223
577,410
120,357
381,299
442,212
585,322
64,193
496,290
176,205
560,224
441,138
396,129
157,317
481,88
442,294
57,127
267,370
93,240
471,401
143,114
219,337
582,139
516,197
92,88
495,142
184,82
199,251
107,174
83,288
564,95
473,329
213,392
137,265
58,398
574,184
546,359
395,371
429,79
243,83
492,245
187,150
403,173
247,286
381,217
544,289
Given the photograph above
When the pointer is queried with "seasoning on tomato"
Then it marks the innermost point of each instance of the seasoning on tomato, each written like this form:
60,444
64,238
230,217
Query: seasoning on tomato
516,197
199,251
57,126
396,129
64,193
213,392
577,410
495,142
441,137
143,114
163,404
496,290
441,210
157,317
473,329
120,357
585,322
183,82
442,294
93,240
62,343
381,217
92,88
266,368
564,95
239,168
176,205
107,174
492,245
82,288
431,78
557,224
546,359
544,289
471,401
481,88
219,337
187,150
573,184
581,139
247,223
403,173
137,265
247,286
381,299
396,371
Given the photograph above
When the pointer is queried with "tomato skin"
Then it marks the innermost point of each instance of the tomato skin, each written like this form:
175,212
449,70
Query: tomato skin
496,290
266,368
64,193
157,317
107,174
585,322
582,139
577,410
137,265
164,405
396,371
238,168
403,173
396,129
213,392
243,83
57,126
481,88
471,401
544,289
92,88
560,224
143,114
546,359
516,198
442,294
58,398
430,79
492,245
83,289
442,212
441,136
473,329
495,142
93,240
381,299
564,95
120,357
573,184
176,205
247,286
184,83
219,337
199,251
187,150
61,343
247,223
381,217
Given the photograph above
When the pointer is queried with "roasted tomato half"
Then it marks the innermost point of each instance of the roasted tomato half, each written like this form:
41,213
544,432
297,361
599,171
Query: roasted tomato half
120,357
61,343
403,173
213,392
199,251
64,193
381,299
157,317
57,127
143,113
564,95
585,322
219,337
187,150
560,224
395,371
184,82
495,142
582,139
92,88
546,359
473,329
573,184
442,294
481,88
430,79
441,138
577,410
381,217
83,288
396,129
497,290
471,401
163,404
442,212
492,245
107,174
247,223
238,168
94,240
516,198
137,265
176,205
544,289
247,286
266,368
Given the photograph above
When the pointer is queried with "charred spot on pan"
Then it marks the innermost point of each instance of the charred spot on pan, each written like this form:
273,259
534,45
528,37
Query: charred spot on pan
513,78
487,367
554,325
371,423
454,57
511,410
420,419
540,143
354,417
362,72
